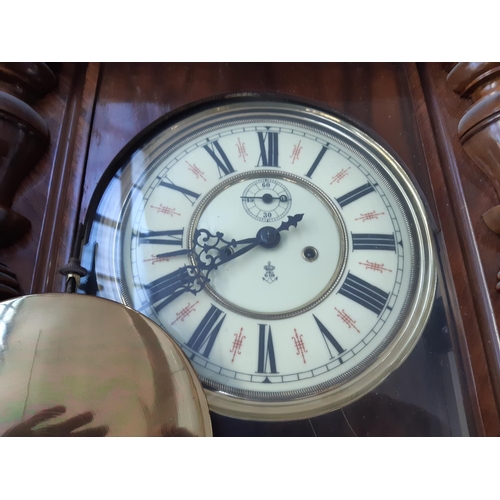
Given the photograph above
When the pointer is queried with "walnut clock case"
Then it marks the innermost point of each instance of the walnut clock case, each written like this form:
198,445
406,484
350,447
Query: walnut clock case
280,243
448,384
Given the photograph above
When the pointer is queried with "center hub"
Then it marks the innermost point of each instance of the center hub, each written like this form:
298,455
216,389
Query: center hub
268,237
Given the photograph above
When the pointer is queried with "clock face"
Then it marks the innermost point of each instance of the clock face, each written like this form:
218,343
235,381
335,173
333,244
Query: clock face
284,249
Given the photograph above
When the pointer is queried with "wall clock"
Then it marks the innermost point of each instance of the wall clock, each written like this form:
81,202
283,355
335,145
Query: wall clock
448,385
281,244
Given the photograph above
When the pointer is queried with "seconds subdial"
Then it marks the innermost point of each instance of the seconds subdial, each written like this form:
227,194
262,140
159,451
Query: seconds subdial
266,200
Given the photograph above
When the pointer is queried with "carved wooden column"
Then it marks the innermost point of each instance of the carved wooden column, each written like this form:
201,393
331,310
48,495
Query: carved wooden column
24,137
479,128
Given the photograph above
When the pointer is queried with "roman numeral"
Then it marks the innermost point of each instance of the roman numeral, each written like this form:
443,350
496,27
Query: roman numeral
316,161
171,237
373,242
164,290
190,195
206,332
220,158
355,194
268,149
267,359
327,336
363,293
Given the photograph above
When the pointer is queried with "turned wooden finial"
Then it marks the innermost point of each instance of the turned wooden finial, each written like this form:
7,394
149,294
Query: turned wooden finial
23,137
479,128
9,286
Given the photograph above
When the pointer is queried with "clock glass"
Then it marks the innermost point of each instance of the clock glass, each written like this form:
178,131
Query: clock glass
280,244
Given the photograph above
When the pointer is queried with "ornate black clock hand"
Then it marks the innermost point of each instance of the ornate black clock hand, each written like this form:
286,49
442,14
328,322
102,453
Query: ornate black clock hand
164,290
267,237
193,279
203,239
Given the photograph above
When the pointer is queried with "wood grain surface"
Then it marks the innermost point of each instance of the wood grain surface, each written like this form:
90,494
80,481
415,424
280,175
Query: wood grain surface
479,127
129,99
470,194
50,196
97,109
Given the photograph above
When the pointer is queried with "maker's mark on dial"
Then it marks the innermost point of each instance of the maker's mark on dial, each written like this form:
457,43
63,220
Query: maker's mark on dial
269,276
266,200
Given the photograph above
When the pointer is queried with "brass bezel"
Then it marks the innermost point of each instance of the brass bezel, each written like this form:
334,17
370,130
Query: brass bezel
244,109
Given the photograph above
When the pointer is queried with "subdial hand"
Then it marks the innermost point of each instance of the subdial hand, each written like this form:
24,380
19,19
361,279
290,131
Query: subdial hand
267,198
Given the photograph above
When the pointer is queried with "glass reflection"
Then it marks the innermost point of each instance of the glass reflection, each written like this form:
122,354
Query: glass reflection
75,365
38,426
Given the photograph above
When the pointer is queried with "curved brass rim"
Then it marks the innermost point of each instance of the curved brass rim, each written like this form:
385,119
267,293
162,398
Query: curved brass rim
417,309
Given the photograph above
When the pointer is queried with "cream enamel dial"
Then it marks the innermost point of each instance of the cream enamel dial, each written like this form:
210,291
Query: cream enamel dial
285,250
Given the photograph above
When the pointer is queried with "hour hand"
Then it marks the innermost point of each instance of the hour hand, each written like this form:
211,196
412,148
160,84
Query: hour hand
208,243
204,241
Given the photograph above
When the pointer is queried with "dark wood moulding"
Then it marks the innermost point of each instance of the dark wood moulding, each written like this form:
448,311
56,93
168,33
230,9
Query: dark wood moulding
23,139
97,109
479,127
27,81
24,136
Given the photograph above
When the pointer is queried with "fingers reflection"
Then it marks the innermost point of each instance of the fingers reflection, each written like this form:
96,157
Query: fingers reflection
33,426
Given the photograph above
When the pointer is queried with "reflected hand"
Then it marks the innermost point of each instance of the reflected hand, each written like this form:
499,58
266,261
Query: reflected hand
67,428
